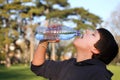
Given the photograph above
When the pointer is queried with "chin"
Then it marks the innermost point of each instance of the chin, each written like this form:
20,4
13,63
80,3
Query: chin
75,43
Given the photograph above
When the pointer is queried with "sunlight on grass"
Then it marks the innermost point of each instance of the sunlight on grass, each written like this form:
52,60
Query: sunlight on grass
116,71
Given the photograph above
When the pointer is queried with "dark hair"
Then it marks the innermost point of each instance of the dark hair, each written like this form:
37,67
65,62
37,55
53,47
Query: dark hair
107,46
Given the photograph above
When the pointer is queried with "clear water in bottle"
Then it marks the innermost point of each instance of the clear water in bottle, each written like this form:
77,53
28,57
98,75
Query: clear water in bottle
56,32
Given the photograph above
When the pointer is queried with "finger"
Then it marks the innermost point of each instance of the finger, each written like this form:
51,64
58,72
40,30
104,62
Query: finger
57,40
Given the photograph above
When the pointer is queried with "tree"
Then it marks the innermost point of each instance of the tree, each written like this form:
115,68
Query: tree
24,15
8,33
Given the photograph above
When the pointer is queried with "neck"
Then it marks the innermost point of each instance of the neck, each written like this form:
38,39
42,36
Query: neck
83,55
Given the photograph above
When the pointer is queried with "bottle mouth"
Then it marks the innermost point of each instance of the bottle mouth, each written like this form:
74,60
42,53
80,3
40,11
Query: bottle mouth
80,33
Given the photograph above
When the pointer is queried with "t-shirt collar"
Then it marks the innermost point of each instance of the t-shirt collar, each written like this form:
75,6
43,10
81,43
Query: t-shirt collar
89,62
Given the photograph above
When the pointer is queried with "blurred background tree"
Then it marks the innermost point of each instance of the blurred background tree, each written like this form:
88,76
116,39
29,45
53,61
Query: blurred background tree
113,24
19,19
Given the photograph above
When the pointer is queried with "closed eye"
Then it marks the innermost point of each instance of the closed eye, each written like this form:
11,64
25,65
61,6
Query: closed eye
93,34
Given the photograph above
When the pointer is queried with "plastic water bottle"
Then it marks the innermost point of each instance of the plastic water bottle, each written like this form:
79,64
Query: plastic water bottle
56,32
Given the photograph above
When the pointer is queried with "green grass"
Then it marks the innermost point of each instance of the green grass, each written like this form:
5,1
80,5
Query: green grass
19,72
22,72
116,71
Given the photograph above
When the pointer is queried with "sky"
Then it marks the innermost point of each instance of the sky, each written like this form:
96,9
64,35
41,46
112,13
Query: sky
102,8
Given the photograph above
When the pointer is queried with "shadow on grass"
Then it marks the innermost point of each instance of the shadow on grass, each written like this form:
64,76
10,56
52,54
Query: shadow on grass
19,72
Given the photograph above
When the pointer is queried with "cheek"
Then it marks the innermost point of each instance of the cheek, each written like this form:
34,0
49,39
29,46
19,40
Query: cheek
91,42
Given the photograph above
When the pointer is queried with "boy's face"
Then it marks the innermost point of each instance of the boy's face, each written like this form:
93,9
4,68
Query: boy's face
87,41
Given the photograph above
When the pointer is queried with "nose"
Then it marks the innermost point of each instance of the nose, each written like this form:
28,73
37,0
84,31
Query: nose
89,31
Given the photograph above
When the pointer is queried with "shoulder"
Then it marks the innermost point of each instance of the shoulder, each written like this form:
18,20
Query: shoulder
101,72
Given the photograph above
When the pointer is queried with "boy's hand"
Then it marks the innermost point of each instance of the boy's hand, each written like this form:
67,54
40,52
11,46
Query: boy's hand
54,41
51,41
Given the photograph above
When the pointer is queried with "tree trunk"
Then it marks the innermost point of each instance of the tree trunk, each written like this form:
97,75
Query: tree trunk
53,55
8,62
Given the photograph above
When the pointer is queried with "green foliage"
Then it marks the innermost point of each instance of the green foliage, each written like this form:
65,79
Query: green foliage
16,1
26,0
4,14
10,32
37,10
13,24
2,55
84,14
62,3
5,38
24,15
1,1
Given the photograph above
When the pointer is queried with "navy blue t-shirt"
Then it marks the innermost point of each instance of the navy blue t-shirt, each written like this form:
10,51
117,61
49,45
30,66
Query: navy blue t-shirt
91,69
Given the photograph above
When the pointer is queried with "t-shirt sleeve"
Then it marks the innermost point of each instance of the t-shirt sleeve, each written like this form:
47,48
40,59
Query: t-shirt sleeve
50,69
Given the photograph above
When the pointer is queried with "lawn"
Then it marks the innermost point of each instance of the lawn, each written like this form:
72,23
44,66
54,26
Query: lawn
21,72
116,72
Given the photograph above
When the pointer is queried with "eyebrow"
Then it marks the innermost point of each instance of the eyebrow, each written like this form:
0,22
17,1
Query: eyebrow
96,32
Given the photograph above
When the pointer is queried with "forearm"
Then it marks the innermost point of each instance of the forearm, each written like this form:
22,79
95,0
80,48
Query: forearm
39,54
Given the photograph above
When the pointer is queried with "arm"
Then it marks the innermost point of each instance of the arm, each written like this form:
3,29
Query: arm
39,54
42,67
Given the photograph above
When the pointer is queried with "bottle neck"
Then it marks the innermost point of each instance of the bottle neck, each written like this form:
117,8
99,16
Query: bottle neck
78,33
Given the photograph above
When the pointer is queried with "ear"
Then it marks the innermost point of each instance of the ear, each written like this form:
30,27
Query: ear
95,51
